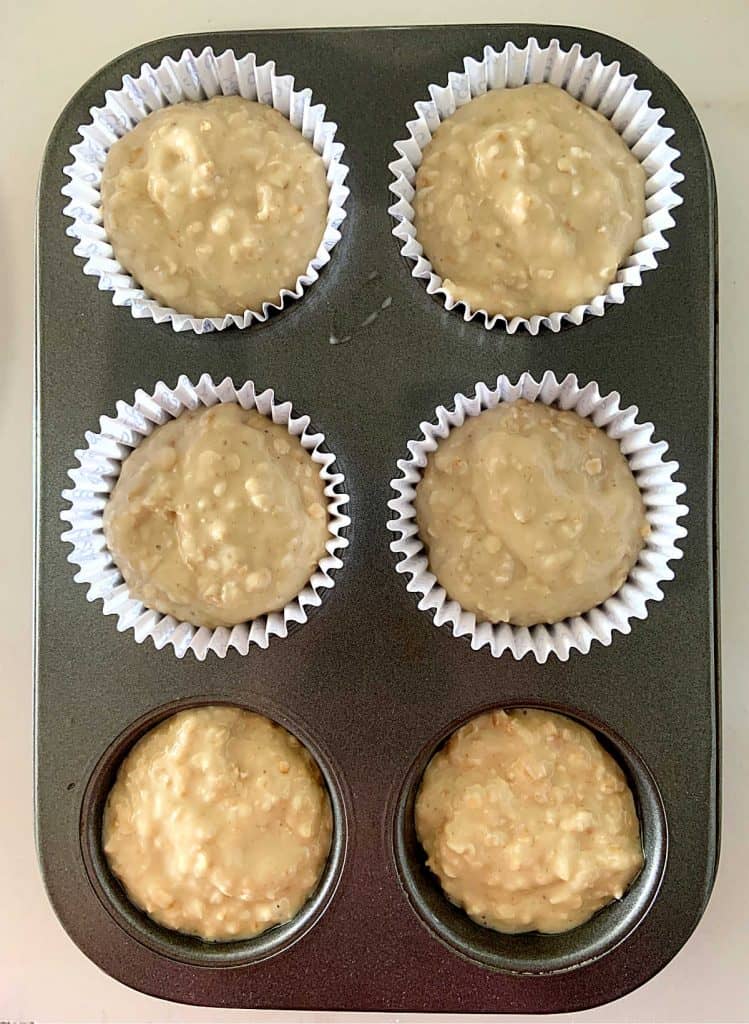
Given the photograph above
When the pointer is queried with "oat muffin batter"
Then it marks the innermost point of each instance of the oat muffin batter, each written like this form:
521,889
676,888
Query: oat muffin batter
218,824
214,207
529,514
527,822
527,202
217,517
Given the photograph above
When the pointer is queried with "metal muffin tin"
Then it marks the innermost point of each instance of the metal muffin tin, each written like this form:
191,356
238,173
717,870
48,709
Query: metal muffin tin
369,683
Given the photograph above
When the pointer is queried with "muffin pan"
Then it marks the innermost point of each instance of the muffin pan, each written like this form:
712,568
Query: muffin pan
369,683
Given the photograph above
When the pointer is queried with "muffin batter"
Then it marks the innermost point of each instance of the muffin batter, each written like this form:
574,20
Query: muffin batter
527,202
218,824
529,514
217,517
214,207
527,822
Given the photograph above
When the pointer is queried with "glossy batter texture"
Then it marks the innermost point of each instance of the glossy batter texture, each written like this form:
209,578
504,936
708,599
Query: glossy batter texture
527,822
529,514
527,202
218,824
214,207
217,517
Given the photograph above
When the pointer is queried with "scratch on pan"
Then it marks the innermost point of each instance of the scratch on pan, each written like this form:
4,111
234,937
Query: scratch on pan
366,322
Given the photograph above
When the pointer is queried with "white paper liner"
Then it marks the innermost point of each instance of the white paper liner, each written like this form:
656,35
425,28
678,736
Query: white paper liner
589,80
192,78
654,476
97,472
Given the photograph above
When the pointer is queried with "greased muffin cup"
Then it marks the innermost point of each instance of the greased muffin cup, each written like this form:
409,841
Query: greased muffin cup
600,86
96,474
654,476
192,78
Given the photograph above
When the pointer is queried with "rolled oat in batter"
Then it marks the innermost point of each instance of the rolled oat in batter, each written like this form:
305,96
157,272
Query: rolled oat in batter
527,202
527,822
529,514
218,824
217,517
214,207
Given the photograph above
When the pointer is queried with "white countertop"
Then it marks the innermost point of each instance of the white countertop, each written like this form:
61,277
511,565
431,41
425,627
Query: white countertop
50,48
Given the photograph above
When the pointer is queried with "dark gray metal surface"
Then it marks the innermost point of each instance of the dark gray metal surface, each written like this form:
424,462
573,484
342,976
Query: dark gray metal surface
369,680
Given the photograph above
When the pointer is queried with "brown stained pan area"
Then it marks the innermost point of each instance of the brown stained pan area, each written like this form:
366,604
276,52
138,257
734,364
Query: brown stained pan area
369,683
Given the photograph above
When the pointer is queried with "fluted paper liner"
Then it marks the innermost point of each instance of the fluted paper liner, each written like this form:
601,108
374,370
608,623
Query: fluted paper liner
192,78
601,86
654,476
96,474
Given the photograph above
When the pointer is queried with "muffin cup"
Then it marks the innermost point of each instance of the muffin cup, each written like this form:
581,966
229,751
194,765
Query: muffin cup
177,945
600,86
95,476
192,78
654,476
